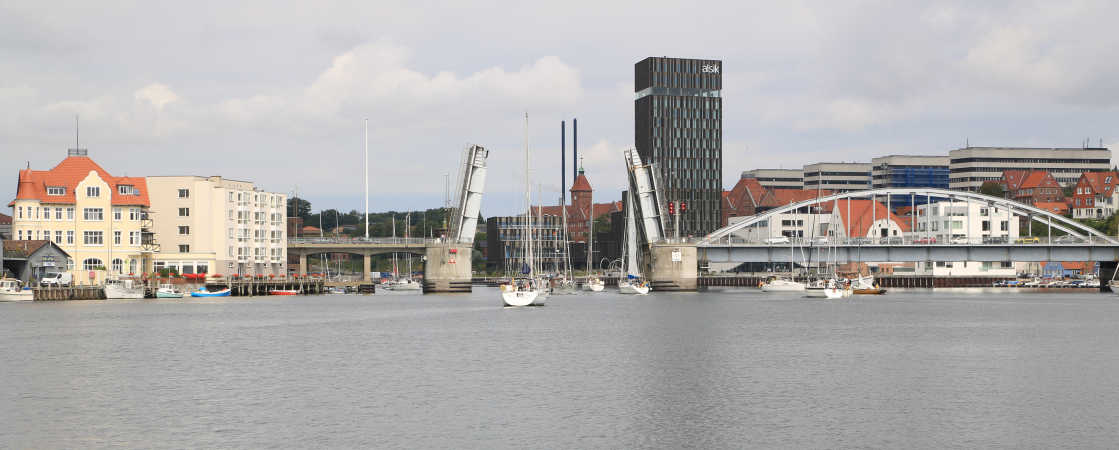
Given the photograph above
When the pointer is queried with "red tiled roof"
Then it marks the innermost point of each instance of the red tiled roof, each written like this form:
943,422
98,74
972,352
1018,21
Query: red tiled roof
747,192
68,173
1096,181
781,197
1037,178
581,184
1082,266
5,219
862,213
310,229
1053,207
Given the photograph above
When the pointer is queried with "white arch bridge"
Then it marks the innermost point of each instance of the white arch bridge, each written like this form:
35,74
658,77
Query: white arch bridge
1045,236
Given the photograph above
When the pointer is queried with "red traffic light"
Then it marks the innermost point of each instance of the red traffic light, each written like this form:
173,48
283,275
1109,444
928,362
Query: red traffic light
683,206
671,208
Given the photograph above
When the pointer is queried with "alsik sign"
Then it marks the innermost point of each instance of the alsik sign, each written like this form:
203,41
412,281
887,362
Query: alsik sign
710,68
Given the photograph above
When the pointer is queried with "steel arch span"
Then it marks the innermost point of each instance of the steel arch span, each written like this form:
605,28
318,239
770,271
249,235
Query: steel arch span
1018,209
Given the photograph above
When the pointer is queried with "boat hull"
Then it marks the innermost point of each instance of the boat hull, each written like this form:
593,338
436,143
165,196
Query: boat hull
115,292
594,287
221,293
168,295
522,298
284,292
871,291
630,288
783,287
17,297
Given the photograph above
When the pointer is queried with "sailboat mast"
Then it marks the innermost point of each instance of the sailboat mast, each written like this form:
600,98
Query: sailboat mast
366,181
528,260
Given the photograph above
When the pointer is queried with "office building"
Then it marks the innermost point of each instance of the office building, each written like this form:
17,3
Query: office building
839,177
505,242
896,171
970,167
678,116
99,220
218,226
777,178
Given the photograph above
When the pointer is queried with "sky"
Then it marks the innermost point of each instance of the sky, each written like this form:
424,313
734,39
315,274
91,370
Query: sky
276,92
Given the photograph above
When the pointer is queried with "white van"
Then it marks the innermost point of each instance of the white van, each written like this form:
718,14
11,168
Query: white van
56,279
777,240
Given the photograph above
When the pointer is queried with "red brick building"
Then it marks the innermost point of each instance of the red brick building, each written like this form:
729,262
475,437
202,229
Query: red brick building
582,210
1095,195
1031,187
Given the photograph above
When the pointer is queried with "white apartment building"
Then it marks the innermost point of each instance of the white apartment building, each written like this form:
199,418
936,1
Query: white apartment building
954,222
837,177
214,225
777,178
792,225
970,167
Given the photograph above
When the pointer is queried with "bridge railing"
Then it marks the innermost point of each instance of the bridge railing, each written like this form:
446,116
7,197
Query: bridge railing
906,241
361,240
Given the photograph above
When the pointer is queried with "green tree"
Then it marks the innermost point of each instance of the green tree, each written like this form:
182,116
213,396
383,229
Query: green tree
992,188
298,207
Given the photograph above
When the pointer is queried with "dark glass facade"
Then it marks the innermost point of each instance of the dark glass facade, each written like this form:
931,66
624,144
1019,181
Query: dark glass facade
678,127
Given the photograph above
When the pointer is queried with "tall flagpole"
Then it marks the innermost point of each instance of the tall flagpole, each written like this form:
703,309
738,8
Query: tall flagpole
366,183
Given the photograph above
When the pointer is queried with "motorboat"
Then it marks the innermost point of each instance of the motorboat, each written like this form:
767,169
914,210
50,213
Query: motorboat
12,290
168,291
203,292
284,292
594,284
125,288
636,286
778,284
402,284
827,289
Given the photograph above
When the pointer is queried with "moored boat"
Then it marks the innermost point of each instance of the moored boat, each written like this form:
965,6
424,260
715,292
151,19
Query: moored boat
11,290
168,291
203,292
594,284
123,288
284,292
633,286
776,284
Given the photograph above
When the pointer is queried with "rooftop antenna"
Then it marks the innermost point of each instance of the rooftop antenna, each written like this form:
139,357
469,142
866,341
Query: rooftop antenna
77,150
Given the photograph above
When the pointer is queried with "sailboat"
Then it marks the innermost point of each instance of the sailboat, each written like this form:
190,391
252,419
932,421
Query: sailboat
526,290
631,282
784,284
563,283
402,283
593,283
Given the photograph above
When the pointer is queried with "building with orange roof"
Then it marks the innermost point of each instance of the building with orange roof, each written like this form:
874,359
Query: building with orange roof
1095,195
861,218
100,220
1031,187
1053,207
743,199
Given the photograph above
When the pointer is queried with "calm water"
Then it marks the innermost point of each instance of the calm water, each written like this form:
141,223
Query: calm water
715,369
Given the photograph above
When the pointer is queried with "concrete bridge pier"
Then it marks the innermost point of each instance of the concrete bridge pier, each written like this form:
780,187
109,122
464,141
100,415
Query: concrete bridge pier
1107,271
366,265
675,267
447,268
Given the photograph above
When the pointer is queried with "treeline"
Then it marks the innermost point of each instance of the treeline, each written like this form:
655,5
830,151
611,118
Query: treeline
422,223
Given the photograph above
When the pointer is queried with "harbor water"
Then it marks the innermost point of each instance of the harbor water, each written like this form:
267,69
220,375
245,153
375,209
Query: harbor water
716,369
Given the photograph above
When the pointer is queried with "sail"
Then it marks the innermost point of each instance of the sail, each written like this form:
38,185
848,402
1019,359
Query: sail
631,238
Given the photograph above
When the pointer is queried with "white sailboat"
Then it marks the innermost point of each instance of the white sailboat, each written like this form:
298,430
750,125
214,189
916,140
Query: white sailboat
593,282
631,281
406,283
784,284
528,290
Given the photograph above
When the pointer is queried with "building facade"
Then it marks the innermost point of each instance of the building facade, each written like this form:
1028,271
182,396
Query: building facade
1095,195
29,261
218,226
777,178
970,167
678,118
909,171
505,243
1032,187
838,177
100,220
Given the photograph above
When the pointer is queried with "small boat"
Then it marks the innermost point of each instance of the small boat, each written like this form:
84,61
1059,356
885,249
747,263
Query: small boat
563,286
525,292
12,291
775,284
827,289
123,288
402,284
870,291
284,292
633,286
336,290
594,284
633,282
202,292
168,291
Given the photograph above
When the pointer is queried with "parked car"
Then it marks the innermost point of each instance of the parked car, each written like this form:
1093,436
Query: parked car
994,239
1027,240
892,240
778,240
959,240
1067,239
56,279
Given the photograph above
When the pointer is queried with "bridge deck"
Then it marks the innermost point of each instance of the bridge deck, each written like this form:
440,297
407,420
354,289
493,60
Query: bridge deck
724,253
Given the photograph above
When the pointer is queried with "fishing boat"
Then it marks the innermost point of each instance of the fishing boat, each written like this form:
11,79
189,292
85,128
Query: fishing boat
203,292
12,290
284,292
168,291
123,288
529,289
632,282
782,284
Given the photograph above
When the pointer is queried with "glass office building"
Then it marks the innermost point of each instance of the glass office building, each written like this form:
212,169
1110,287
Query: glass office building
678,118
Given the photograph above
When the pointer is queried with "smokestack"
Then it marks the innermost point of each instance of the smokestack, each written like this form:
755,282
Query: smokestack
563,160
574,148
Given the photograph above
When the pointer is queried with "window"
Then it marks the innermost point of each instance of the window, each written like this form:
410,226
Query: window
116,214
58,236
92,264
133,238
131,266
47,234
70,237
184,212
47,213
184,193
92,191
93,214
116,237
93,238
58,213
127,189
183,248
19,235
986,225
230,252
231,233
56,190
133,213
183,229
70,213
231,196
118,265
201,267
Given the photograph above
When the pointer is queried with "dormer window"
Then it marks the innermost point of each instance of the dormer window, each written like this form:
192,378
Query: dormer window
126,189
56,190
92,191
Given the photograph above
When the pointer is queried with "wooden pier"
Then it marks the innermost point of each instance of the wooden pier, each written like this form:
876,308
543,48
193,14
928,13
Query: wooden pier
69,293
237,288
